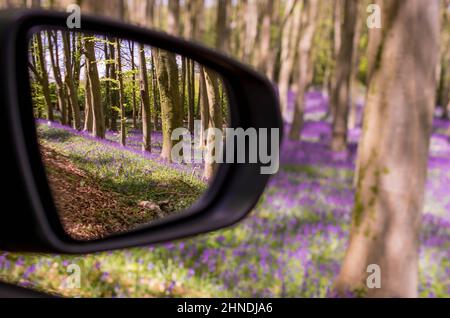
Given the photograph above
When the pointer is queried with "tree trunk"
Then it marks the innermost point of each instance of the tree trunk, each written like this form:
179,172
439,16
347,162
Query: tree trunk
309,17
69,79
354,72
106,110
173,17
60,87
88,108
145,101
114,90
190,76
215,120
222,31
44,76
183,87
123,132
204,107
288,52
98,128
133,78
393,154
155,92
251,30
444,81
373,45
167,75
341,92
337,35
264,41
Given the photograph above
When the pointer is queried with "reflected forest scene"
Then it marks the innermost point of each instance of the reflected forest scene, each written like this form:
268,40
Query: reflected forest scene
105,111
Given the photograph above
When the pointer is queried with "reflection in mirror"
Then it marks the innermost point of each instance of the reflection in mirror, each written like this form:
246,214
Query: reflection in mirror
107,112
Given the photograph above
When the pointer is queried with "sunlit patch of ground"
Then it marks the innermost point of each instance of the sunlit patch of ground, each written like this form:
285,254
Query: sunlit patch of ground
99,188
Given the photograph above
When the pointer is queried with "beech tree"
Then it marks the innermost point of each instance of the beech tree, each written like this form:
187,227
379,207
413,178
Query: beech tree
308,24
290,35
98,128
393,153
70,77
123,132
39,69
214,119
145,100
167,75
341,91
52,38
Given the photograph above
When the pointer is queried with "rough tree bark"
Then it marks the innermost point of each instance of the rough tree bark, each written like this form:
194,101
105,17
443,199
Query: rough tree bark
393,154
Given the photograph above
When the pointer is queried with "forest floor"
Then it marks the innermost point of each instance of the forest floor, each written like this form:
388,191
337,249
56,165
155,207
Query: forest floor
291,245
101,188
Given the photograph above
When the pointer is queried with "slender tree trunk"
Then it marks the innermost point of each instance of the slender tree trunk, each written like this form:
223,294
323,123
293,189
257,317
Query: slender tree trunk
444,80
337,36
190,31
69,79
88,108
155,92
393,154
222,31
145,101
114,87
183,87
44,76
123,132
204,107
309,17
266,32
106,109
133,78
173,17
373,45
354,72
341,93
251,30
190,76
76,59
98,128
60,87
289,42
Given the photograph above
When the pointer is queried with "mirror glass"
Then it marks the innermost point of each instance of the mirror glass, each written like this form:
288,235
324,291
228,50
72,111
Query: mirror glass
124,129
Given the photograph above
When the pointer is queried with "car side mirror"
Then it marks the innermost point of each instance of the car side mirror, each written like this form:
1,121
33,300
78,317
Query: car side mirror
116,136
